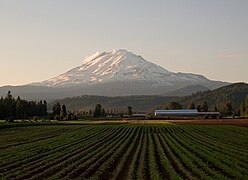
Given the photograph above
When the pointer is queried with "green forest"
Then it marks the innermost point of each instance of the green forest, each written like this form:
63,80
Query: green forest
11,108
227,100
231,100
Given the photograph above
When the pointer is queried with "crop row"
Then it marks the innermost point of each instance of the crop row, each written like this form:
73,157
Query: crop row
124,152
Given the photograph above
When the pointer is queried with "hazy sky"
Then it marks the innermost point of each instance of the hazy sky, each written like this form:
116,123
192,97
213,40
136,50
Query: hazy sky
40,39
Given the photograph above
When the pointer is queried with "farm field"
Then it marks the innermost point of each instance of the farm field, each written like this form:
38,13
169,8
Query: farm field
123,151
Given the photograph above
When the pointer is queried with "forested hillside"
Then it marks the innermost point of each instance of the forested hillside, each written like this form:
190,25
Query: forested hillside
117,104
234,94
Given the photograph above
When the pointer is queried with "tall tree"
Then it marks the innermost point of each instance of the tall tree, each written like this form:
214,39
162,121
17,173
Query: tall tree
129,111
10,105
2,108
11,108
44,108
242,109
229,109
204,107
63,112
103,113
56,109
215,109
98,110
246,106
19,108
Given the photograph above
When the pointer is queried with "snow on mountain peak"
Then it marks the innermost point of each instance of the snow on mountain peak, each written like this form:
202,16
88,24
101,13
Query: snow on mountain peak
92,57
117,66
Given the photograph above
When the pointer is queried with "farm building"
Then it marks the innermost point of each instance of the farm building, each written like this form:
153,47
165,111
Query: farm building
140,115
184,112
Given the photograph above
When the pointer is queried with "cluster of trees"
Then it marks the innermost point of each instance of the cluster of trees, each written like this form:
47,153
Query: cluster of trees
200,108
11,108
99,111
60,113
227,110
244,108
114,105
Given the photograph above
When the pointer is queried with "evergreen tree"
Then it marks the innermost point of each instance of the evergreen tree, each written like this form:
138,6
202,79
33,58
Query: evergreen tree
44,108
129,111
246,106
32,111
229,109
98,110
242,109
215,109
63,112
2,108
56,110
103,113
199,108
9,95
90,112
19,108
12,109
39,108
204,107
9,103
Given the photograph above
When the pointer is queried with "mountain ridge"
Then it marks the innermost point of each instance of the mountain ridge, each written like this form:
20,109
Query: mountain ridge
234,93
114,73
120,66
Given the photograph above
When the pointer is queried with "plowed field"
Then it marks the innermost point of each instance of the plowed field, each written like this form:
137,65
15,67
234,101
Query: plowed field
123,151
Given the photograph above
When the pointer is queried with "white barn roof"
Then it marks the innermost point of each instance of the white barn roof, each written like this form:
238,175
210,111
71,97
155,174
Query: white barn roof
189,112
183,112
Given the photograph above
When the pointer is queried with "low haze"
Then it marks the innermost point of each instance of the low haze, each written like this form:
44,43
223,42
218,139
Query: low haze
42,39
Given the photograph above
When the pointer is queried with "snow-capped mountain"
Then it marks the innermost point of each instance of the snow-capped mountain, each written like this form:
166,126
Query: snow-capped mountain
115,73
121,66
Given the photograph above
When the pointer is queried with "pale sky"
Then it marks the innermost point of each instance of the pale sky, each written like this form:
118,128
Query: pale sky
40,39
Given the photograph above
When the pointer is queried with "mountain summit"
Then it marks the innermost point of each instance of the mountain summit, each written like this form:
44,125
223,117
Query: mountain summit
121,66
115,73
117,65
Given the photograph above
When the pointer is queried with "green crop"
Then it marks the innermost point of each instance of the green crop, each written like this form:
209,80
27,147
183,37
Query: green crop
123,151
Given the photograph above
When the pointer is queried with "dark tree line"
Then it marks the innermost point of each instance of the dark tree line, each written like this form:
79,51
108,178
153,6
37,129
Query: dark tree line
227,109
98,112
11,108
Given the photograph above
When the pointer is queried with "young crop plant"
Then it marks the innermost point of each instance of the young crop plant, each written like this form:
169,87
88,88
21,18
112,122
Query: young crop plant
123,151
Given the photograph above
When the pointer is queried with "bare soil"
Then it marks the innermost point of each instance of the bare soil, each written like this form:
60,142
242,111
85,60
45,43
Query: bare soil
236,122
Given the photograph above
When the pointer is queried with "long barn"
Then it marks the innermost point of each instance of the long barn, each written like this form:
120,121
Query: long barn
184,112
